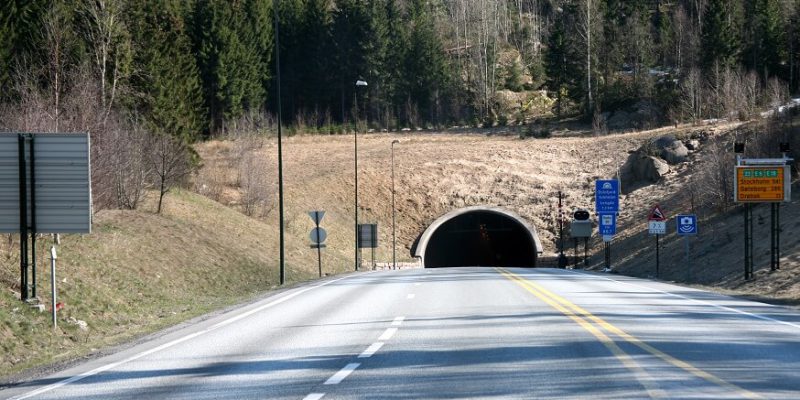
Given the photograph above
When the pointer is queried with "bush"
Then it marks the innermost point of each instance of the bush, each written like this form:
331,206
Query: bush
502,120
537,132
488,121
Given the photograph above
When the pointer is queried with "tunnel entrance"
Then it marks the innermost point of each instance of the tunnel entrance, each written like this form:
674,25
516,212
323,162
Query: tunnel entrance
479,236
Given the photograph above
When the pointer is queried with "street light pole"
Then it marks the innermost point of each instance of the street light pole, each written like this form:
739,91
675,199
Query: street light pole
282,267
394,237
355,158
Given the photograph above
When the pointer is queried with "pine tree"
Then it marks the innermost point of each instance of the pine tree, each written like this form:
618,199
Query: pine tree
357,52
721,36
167,88
231,44
20,30
424,61
770,36
559,64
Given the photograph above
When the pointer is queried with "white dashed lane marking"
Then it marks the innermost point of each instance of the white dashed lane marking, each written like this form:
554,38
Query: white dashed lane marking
411,296
314,396
342,374
387,334
371,350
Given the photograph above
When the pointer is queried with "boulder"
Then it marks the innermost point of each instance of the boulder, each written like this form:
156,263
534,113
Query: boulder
642,168
670,149
693,145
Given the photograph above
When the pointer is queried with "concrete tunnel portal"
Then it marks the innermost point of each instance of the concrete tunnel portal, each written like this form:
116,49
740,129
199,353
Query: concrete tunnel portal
479,236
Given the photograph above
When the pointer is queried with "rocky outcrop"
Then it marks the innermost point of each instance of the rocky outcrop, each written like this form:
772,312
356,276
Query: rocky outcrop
670,149
642,168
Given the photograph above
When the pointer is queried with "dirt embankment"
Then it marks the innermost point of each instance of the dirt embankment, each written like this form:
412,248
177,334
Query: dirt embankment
438,172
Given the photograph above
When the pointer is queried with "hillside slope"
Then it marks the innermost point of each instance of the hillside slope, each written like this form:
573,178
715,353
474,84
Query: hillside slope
138,272
436,173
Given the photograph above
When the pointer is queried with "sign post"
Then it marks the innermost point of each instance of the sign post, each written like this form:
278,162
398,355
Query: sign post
762,181
368,238
657,225
581,227
607,206
687,226
53,303
318,236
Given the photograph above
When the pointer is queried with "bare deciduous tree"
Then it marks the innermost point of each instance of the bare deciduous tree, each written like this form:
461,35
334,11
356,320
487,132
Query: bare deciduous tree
715,184
692,95
111,48
57,35
254,185
170,163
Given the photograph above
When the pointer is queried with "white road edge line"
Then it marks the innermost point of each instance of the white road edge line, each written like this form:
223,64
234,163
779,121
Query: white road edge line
343,373
387,334
371,350
733,310
417,284
398,320
314,396
167,345
411,296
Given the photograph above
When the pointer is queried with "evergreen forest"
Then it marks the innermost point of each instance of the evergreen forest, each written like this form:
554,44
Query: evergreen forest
133,72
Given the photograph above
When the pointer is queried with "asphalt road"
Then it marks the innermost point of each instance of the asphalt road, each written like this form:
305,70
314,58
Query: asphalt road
460,333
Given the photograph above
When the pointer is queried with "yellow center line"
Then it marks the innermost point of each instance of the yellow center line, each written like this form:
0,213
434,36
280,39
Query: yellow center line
641,375
577,310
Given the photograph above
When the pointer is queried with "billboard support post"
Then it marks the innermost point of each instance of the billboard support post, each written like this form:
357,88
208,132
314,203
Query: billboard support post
23,219
33,215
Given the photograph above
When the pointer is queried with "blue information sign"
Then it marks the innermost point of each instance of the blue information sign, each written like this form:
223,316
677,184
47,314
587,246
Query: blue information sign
606,196
687,225
607,224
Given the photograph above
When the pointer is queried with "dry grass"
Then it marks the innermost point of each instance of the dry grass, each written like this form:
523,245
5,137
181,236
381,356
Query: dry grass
136,273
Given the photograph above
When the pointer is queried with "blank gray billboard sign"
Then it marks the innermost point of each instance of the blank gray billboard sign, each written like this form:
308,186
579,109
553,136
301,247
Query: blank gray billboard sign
368,236
62,182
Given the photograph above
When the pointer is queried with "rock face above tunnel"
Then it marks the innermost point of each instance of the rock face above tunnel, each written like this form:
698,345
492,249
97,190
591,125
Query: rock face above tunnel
479,236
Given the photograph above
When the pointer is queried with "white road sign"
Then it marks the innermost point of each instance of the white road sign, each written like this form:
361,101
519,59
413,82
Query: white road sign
657,227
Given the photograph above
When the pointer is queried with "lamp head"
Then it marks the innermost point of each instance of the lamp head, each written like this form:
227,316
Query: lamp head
361,83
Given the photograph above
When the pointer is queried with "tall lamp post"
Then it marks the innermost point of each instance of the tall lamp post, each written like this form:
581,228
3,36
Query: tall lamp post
275,10
359,83
394,237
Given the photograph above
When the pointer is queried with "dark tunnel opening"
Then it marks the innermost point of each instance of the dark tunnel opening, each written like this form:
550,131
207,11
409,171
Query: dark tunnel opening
480,238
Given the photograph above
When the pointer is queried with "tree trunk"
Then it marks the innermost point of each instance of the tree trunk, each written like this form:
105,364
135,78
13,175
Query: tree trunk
161,194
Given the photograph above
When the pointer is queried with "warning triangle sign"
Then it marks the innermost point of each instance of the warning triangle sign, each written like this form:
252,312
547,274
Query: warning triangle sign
656,214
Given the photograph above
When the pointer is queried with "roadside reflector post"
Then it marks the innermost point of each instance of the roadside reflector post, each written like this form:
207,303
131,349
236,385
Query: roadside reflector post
53,257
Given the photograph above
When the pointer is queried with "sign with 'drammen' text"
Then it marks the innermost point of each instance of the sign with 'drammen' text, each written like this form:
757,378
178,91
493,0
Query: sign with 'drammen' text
762,184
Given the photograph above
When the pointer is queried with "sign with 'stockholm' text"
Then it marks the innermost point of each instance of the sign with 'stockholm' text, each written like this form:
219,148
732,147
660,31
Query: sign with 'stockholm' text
762,184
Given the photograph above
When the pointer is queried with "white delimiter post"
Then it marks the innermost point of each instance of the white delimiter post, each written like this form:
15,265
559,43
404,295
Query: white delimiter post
53,284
